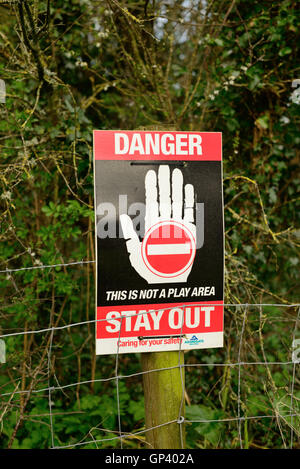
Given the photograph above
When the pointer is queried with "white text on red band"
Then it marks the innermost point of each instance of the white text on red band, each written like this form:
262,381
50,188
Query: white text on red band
164,144
135,321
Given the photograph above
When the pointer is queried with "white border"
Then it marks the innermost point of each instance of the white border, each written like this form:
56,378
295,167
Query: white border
206,340
213,339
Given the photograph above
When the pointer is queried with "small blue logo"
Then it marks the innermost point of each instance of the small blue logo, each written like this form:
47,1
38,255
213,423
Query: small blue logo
194,340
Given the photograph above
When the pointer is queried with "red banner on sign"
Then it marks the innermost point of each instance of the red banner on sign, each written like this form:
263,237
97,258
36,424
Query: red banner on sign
131,145
159,319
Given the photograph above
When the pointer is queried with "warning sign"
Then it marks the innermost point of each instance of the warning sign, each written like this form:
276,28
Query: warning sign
159,236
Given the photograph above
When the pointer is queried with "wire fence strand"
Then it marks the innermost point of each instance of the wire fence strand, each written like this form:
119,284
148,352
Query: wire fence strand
117,376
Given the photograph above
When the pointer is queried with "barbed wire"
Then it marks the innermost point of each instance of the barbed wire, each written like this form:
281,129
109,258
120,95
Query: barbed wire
181,420
202,303
47,266
141,373
146,430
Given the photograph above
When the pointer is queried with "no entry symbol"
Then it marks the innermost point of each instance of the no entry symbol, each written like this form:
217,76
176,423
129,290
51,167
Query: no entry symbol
168,249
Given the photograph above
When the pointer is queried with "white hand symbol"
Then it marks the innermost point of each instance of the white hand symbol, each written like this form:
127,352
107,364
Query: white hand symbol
167,251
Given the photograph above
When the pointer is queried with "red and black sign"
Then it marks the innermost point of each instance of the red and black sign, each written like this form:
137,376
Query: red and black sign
159,232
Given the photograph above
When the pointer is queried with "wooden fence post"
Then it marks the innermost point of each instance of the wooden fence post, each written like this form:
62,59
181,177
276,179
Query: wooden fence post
164,399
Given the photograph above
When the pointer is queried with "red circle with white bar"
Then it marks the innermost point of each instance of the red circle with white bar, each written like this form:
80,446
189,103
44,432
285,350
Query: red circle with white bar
168,249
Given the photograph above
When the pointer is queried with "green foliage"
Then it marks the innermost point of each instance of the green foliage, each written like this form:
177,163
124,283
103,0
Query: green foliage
83,65
210,433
